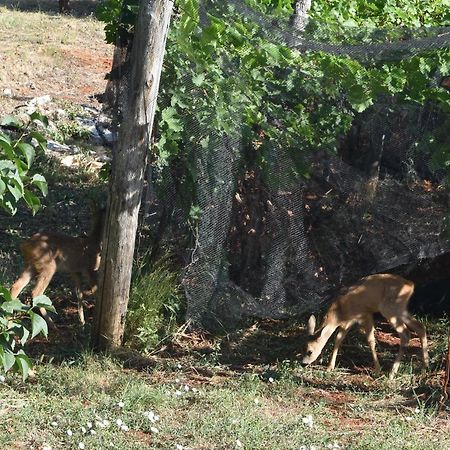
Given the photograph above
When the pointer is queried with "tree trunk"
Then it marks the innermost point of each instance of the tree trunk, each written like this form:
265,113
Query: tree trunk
299,18
127,175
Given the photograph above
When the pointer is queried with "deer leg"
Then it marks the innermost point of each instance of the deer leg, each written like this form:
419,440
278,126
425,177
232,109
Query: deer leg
402,330
22,281
369,331
79,294
92,277
43,280
342,332
419,329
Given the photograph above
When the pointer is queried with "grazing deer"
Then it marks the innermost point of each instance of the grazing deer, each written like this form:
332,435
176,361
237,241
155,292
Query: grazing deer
383,293
47,253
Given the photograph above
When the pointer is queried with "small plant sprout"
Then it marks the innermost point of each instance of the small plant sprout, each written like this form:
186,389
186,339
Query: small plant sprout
308,420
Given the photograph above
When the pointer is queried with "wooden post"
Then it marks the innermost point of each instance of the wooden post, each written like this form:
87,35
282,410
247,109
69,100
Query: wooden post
127,175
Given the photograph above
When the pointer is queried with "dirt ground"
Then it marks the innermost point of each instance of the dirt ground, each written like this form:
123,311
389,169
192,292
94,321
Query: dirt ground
61,56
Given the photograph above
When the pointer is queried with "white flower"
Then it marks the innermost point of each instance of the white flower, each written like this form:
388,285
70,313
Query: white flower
151,416
2,379
81,445
186,387
69,432
106,423
194,390
177,393
308,420
179,447
124,427
256,401
239,443
417,410
119,422
334,446
54,424
154,430
89,424
93,432
46,447
179,366
177,380
83,430
408,418
121,404
271,380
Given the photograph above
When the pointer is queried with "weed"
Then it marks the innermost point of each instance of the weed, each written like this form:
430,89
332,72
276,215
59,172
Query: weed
155,303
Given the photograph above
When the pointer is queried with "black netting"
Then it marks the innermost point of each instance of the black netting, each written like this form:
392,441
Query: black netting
277,236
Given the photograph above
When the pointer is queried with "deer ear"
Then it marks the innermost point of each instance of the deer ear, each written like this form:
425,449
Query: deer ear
311,324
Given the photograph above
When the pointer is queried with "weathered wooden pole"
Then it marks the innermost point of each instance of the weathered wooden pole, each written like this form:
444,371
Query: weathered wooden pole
127,175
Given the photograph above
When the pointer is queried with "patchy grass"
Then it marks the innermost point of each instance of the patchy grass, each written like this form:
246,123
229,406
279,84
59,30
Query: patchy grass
203,408
61,56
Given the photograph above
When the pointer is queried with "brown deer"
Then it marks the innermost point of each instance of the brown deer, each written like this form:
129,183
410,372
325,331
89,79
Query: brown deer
382,293
48,253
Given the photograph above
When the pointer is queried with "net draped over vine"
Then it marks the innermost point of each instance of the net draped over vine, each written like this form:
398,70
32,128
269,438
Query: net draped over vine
263,227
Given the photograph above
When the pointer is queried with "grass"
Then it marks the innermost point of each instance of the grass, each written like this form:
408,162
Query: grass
61,56
221,411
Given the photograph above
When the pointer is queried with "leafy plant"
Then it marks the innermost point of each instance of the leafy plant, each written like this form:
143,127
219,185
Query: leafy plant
16,318
17,183
17,154
154,306
224,75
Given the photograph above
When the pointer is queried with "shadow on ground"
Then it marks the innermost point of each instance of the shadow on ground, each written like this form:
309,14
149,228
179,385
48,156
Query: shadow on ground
80,8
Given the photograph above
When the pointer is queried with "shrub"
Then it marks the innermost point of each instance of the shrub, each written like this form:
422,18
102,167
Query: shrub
18,184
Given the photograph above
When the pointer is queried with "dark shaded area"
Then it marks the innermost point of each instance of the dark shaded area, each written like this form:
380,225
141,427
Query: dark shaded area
78,8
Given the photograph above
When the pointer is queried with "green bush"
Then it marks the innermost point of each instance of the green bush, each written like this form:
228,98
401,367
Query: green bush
18,146
155,304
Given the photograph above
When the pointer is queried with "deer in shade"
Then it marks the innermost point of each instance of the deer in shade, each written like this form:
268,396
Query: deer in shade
49,252
381,293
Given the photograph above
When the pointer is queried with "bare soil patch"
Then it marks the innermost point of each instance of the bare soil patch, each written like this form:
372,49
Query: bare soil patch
41,54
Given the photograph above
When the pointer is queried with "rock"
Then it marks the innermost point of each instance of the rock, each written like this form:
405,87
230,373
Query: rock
39,101
62,148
